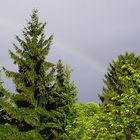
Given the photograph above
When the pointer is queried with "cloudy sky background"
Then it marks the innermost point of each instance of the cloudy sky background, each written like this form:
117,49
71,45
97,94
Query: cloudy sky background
88,35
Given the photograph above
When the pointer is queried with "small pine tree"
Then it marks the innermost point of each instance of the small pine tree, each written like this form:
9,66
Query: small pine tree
61,98
121,98
42,105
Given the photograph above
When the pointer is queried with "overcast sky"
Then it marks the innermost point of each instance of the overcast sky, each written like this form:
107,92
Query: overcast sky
88,35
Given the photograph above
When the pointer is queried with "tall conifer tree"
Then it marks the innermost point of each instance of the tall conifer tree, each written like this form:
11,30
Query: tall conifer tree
44,91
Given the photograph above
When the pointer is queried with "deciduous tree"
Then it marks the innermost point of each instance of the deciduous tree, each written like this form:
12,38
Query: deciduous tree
121,98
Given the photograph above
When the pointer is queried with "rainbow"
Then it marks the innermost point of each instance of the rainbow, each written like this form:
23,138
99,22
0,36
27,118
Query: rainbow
91,61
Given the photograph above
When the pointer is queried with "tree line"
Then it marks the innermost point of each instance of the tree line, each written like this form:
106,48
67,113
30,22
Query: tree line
44,106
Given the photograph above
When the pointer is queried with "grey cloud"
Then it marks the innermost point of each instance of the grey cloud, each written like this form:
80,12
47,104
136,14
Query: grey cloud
100,29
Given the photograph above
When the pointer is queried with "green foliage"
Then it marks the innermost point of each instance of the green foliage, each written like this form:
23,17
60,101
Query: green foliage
41,108
4,104
44,106
9,132
121,99
82,125
61,98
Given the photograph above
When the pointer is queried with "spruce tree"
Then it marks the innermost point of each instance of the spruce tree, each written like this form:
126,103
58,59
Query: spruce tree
121,98
61,98
42,104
